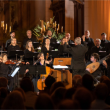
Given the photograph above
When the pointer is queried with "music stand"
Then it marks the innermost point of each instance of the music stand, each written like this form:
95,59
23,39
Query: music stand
15,54
54,45
36,44
53,54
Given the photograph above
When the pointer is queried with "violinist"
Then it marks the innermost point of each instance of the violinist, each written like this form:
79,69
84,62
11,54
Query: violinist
4,68
28,52
47,46
13,46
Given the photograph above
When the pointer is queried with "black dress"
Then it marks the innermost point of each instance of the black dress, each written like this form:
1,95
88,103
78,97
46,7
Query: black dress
28,56
44,49
12,48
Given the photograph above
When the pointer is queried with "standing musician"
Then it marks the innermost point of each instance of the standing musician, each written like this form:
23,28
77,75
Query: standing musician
61,48
78,65
13,46
104,41
12,34
28,52
47,46
67,36
99,49
29,37
100,71
49,34
90,43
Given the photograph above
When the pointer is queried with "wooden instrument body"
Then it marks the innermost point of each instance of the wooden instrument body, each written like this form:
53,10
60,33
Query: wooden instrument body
93,67
41,81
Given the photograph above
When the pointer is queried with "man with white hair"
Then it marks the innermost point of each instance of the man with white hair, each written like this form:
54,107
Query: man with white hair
78,65
98,49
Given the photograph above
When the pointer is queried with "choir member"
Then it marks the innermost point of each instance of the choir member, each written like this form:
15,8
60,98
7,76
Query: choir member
13,46
49,34
61,48
67,36
12,34
47,46
29,37
98,49
104,41
28,52
90,43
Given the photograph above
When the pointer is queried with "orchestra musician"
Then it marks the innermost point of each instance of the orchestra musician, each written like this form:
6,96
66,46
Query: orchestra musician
12,34
100,71
13,46
78,65
28,52
47,46
29,37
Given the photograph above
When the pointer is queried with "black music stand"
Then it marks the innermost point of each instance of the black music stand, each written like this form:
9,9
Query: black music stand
36,44
52,54
54,45
15,54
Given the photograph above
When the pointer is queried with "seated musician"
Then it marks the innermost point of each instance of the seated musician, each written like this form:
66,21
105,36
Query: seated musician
8,42
13,46
67,36
41,60
99,72
28,52
47,46
29,37
98,48
49,34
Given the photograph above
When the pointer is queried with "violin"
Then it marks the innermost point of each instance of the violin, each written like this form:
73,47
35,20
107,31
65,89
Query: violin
13,62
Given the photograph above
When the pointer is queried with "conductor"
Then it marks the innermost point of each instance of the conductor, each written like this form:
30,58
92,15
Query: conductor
78,65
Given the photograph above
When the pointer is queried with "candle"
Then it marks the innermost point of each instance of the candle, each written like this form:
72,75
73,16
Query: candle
10,28
41,30
57,30
62,29
44,28
42,24
58,26
55,23
3,25
50,20
6,27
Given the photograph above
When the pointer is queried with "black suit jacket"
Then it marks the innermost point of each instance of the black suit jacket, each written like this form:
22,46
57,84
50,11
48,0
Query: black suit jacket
78,55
